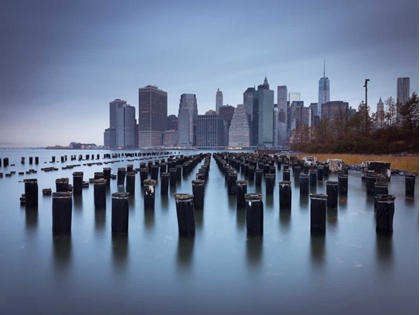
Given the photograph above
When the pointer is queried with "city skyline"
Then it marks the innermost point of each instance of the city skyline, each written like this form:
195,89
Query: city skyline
100,51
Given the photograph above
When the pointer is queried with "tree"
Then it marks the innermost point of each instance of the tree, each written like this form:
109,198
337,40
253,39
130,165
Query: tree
410,114
391,112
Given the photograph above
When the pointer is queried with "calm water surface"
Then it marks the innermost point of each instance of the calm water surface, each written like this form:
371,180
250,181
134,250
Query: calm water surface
351,270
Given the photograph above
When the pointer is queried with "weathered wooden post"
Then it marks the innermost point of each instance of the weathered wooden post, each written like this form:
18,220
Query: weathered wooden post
332,193
185,214
410,182
62,184
61,213
164,183
304,184
198,193
251,172
144,174
241,191
343,184
385,214
77,183
312,177
269,184
98,175
326,170
120,213
154,172
258,177
99,193
178,172
130,183
107,176
149,193
231,184
296,172
286,174
285,195
129,168
5,162
370,183
254,214
172,176
320,170
121,176
31,193
318,213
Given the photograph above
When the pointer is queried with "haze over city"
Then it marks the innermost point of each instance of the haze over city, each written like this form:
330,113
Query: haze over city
63,62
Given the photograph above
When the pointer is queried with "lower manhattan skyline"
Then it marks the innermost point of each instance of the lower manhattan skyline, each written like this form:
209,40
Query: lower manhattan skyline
64,62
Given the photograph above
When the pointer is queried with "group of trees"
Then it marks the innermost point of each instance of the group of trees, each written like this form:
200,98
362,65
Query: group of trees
396,129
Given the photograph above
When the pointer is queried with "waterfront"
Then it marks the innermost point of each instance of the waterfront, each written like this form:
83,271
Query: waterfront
154,271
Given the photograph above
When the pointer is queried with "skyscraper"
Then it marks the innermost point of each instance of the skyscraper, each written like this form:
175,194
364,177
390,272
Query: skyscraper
153,109
219,100
122,121
187,120
239,128
210,131
263,111
323,92
294,96
380,114
282,102
249,101
334,110
226,113
403,90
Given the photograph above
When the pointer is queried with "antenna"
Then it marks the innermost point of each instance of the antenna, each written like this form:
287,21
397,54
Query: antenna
324,68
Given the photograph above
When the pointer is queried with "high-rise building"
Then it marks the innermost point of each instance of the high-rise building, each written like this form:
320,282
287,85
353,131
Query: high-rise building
403,90
219,100
263,111
334,109
226,113
210,131
380,113
172,122
122,121
314,112
323,92
239,128
294,96
153,112
249,101
187,120
282,102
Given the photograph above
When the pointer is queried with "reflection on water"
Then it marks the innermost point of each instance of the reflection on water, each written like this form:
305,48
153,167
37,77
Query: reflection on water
332,216
198,216
164,201
131,202
120,249
254,244
285,215
342,201
269,200
185,252
31,216
384,252
100,219
240,218
318,250
62,252
77,202
149,218
304,200
232,202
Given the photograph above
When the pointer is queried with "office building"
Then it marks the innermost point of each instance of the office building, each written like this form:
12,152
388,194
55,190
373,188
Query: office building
334,109
249,102
110,139
263,111
294,96
187,120
219,100
323,92
170,138
122,120
239,129
153,112
172,122
226,113
282,102
210,131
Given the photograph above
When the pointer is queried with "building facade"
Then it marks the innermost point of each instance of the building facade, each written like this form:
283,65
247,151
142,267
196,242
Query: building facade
210,131
153,112
334,109
263,111
282,102
239,130
249,102
187,120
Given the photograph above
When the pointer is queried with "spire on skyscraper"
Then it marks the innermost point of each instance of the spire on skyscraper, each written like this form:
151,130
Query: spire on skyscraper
324,68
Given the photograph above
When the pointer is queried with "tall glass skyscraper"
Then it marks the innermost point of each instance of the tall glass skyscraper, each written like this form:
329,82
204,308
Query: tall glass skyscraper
403,90
122,121
323,92
263,111
153,112
249,101
187,120
282,102
239,128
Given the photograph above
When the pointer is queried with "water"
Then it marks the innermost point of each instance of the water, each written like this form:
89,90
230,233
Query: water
153,271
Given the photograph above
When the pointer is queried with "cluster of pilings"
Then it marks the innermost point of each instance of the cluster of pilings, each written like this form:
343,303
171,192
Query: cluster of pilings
62,197
255,167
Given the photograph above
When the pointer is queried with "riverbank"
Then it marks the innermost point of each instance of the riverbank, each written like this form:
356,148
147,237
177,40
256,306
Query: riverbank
406,163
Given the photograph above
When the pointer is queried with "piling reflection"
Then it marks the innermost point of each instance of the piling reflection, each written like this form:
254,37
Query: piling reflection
31,218
318,250
185,252
240,219
149,218
269,200
254,244
384,251
131,202
285,215
62,252
198,216
342,201
164,202
332,216
100,219
232,202
120,250
304,200
77,202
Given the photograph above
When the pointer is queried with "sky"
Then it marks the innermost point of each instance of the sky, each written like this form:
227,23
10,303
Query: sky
62,62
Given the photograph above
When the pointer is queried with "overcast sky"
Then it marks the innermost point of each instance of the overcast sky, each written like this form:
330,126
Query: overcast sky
62,62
